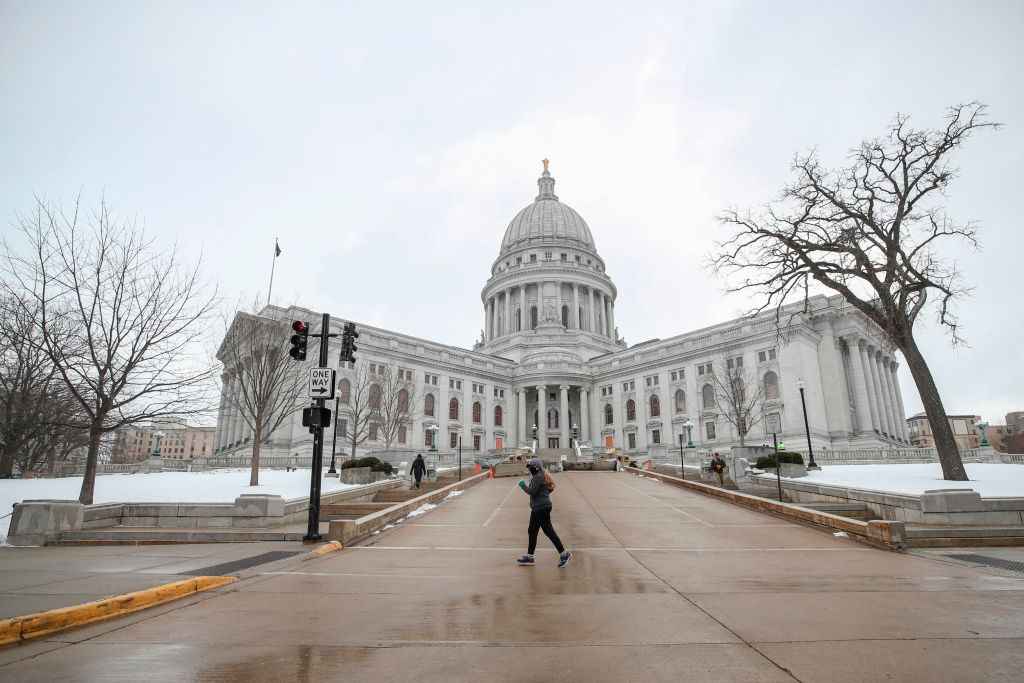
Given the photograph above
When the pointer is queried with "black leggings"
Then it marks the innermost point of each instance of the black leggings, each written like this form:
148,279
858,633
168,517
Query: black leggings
541,519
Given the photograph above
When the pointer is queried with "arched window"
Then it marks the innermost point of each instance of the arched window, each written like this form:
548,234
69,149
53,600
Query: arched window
552,418
344,389
655,406
771,385
453,409
630,410
497,416
707,396
533,317
375,396
608,417
476,412
428,406
680,401
403,401
565,316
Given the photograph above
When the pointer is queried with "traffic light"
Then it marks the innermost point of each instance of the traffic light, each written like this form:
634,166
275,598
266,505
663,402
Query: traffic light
299,339
348,345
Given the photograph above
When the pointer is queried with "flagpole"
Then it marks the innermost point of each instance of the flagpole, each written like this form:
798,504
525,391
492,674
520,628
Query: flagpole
272,264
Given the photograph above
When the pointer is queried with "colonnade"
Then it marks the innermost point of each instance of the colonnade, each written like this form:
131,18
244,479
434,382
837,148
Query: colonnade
877,398
501,317
524,421
231,426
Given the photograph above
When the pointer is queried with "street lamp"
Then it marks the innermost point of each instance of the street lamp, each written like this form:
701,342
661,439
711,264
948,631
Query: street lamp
811,465
575,433
982,425
433,429
689,433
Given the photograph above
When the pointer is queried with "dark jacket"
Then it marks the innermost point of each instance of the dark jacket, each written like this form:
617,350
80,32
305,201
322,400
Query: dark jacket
718,465
419,466
540,499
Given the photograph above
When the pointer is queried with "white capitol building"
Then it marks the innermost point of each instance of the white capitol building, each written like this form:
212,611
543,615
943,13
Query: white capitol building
551,356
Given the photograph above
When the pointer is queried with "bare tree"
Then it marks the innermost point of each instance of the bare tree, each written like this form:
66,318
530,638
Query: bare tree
120,319
267,381
399,404
871,232
360,410
739,394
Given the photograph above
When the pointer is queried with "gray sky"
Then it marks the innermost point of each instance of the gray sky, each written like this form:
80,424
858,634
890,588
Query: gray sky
388,145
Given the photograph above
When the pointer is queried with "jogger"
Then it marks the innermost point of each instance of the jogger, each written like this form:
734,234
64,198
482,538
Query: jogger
540,488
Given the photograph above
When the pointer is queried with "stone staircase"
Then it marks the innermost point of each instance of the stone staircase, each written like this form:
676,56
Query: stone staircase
858,511
382,500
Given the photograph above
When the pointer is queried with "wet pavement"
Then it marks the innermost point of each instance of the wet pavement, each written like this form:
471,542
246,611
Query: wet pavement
665,584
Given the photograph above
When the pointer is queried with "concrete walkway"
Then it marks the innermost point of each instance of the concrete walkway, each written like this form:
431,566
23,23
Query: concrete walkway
665,585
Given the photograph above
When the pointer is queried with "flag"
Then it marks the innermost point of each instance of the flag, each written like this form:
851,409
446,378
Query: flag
277,249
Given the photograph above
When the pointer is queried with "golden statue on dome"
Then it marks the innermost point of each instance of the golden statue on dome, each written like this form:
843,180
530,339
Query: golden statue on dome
545,162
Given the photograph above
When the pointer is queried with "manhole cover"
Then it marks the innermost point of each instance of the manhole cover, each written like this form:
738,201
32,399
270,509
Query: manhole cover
989,561
230,568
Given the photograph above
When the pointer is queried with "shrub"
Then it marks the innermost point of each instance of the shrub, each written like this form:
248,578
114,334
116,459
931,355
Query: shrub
767,461
360,462
384,467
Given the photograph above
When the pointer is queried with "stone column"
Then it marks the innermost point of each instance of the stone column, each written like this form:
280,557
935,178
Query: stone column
563,417
606,306
890,413
865,361
523,422
542,417
872,366
496,318
222,412
585,414
860,387
611,319
558,299
899,402
510,326
488,318
524,318
239,420
574,319
595,319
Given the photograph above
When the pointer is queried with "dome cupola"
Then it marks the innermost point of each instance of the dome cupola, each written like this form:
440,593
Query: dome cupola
547,220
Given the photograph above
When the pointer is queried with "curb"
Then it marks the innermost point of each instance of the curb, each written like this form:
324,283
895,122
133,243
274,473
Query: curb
44,623
330,547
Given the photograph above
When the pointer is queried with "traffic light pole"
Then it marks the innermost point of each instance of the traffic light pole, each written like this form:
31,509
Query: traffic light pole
316,475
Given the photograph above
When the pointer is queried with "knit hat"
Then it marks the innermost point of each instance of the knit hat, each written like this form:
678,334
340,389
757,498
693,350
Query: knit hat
534,462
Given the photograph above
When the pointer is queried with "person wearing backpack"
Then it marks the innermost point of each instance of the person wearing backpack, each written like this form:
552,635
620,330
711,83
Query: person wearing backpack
540,487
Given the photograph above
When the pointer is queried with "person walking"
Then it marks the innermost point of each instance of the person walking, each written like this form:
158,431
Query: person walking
540,487
419,468
718,467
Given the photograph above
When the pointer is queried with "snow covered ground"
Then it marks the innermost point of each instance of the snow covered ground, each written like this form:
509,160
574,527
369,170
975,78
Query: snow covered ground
214,486
990,480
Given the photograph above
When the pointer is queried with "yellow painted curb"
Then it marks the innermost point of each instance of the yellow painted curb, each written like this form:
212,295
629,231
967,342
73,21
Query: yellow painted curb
331,547
51,621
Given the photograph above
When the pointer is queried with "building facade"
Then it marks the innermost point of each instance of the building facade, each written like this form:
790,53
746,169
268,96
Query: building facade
551,357
176,440
964,427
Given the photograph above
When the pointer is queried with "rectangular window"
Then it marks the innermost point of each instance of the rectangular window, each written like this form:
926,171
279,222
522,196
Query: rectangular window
373,431
455,384
704,369
734,363
476,442
578,259
652,380
499,393
547,255
401,435
626,386
519,260
405,375
655,436
766,355
428,437
678,375
453,439
533,258
565,257
709,430
631,438
430,379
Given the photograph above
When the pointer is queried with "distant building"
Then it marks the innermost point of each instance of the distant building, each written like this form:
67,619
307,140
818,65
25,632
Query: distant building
998,435
178,441
1016,421
963,426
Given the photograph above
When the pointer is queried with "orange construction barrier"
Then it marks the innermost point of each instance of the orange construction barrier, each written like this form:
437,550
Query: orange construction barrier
649,466
492,473
477,471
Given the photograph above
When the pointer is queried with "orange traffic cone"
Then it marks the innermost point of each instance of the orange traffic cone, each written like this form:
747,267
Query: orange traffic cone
477,471
649,466
492,473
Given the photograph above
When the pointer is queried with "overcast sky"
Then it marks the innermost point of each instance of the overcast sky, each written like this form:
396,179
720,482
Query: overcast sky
388,145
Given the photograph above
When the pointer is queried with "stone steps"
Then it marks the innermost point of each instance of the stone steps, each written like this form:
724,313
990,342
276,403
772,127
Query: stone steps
850,510
148,536
348,509
964,536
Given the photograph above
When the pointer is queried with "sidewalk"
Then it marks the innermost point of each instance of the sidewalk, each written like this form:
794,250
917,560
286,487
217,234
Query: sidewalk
38,579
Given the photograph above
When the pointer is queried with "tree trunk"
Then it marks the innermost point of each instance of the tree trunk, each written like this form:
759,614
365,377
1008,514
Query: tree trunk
945,443
254,472
89,481
7,462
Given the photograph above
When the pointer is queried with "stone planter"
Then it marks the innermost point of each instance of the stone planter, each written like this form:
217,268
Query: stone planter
789,470
357,475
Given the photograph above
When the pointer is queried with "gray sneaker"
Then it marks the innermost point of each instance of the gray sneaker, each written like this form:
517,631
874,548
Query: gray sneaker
563,559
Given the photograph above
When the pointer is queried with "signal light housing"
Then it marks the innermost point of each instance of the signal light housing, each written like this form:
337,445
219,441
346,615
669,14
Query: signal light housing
299,340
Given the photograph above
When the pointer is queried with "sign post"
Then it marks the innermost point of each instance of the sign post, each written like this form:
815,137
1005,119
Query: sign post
321,388
774,424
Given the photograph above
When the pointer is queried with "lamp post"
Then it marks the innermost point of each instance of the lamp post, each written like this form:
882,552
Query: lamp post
682,466
983,441
575,433
334,443
689,433
811,465
433,429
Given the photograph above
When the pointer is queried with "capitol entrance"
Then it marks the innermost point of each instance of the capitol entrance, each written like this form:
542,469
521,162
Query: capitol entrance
553,443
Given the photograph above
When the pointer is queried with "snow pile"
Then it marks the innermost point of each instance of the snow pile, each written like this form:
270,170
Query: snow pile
422,510
990,480
213,486
453,494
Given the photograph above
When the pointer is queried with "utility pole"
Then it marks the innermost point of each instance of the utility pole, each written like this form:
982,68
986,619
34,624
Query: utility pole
317,427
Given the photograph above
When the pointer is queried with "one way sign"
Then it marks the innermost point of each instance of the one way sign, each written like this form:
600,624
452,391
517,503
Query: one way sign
321,383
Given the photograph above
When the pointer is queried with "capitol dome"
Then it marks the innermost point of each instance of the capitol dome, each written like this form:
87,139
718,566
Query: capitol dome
547,220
